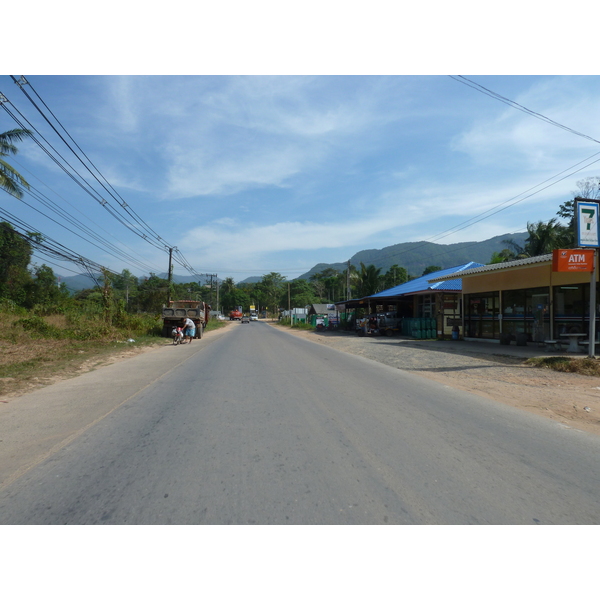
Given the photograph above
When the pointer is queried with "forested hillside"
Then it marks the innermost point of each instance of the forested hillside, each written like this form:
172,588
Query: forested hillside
415,257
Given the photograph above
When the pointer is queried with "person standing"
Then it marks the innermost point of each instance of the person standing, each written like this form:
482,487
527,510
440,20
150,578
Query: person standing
189,329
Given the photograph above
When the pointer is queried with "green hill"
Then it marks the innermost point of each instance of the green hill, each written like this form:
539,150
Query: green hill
415,257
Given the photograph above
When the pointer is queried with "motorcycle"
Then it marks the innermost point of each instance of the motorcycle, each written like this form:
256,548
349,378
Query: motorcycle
177,335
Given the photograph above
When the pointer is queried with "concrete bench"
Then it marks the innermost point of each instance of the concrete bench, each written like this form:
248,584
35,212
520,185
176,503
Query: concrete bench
585,345
554,344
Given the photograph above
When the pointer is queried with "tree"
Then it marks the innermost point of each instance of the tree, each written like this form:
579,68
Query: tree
125,287
10,179
502,256
545,237
234,297
302,293
15,254
43,289
226,287
431,269
152,294
368,280
329,284
270,289
394,276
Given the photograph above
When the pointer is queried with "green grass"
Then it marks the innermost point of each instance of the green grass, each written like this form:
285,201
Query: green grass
300,325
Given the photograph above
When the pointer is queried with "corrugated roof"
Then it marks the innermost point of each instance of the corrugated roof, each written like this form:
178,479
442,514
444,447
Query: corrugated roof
321,308
513,264
428,283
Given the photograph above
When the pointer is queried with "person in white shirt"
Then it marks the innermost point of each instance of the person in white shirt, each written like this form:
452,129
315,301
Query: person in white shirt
189,329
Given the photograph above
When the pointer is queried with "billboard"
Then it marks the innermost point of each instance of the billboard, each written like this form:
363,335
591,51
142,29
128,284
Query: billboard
573,260
588,224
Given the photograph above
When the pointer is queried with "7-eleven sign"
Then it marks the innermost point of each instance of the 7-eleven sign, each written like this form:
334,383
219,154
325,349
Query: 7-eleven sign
588,224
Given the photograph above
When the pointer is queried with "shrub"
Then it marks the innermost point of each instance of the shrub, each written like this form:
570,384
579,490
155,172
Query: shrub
11,307
38,327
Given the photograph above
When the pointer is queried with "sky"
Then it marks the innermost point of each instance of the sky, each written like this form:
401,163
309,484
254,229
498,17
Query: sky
248,174
260,138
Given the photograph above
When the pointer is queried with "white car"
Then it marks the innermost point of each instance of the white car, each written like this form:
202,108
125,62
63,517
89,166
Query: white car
254,317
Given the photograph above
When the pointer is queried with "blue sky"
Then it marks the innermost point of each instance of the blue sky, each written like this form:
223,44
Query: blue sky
251,174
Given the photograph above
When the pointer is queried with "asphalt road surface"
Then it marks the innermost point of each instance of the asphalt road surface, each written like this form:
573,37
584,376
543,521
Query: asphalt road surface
256,426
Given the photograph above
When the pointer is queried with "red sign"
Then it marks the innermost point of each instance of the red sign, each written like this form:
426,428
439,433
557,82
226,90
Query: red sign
573,260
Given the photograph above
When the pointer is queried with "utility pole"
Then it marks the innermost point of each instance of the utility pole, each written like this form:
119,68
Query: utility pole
348,282
170,274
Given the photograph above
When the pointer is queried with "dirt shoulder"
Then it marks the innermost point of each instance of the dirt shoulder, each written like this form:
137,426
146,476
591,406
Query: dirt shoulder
570,399
47,361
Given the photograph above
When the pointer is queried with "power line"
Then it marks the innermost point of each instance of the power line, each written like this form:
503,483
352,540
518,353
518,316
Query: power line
49,247
131,220
72,173
21,83
72,219
478,87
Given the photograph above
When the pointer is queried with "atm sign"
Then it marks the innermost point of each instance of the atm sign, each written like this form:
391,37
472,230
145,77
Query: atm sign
573,260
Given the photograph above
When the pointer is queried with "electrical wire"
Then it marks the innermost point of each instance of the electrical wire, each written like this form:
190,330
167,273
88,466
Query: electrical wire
476,86
69,216
21,83
132,220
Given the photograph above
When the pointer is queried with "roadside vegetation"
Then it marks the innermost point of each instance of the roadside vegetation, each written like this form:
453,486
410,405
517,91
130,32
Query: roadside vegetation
49,332
286,322
42,346
565,364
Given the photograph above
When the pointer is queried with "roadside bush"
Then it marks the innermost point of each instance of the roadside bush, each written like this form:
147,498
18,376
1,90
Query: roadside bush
37,327
11,307
582,366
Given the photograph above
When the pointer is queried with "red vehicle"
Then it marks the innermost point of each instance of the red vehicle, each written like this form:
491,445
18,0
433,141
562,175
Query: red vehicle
236,315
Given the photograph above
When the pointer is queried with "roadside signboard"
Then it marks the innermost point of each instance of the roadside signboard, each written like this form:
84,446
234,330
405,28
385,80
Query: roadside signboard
588,224
573,260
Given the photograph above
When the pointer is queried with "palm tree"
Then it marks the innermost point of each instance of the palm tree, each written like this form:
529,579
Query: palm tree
10,179
369,281
545,237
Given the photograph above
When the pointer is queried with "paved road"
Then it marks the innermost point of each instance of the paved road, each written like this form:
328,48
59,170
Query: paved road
258,426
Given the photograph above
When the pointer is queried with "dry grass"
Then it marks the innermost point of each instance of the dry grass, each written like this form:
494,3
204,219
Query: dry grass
33,357
582,366
38,351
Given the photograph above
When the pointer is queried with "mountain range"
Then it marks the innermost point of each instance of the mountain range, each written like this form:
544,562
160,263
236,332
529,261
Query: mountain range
76,283
415,257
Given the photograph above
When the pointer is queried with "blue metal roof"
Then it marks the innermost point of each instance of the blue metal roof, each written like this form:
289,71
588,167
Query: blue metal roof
421,284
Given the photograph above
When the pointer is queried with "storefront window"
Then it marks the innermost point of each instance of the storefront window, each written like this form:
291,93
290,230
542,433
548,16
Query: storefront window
571,306
526,311
481,318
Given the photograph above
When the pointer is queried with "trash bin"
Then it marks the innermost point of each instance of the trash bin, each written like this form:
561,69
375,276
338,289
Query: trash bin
455,332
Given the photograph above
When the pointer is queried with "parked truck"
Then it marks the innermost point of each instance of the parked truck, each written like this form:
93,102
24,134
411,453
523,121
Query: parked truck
177,311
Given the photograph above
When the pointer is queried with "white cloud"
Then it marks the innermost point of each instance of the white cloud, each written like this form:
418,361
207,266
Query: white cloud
222,135
517,139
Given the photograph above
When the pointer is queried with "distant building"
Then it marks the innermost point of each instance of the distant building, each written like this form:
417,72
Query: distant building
437,302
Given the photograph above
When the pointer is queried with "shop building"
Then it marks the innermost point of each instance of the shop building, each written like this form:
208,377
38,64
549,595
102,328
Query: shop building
523,297
437,303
